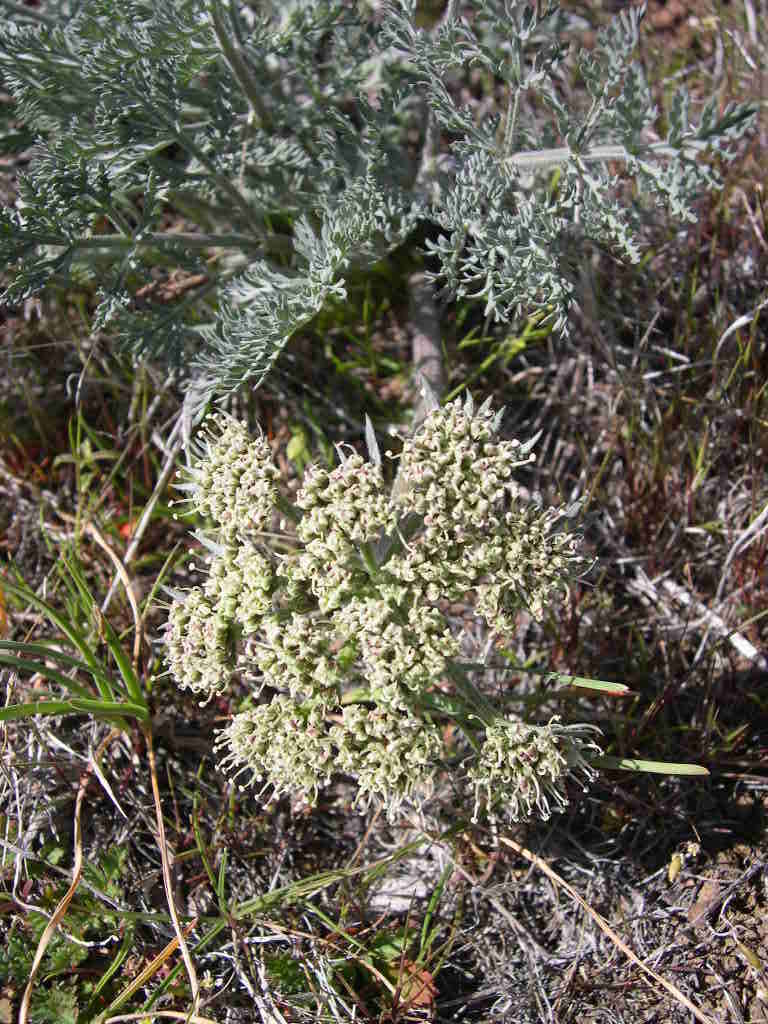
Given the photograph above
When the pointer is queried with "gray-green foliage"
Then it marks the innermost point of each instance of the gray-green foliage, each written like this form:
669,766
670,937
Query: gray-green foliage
300,140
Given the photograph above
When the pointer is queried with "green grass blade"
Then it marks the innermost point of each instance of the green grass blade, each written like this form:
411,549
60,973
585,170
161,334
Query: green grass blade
22,665
428,933
76,638
634,764
123,662
124,666
160,579
110,708
175,971
222,882
602,685
46,651
115,964
202,852
35,707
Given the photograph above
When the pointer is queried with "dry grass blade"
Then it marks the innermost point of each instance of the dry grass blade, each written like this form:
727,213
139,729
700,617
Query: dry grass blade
167,884
126,581
149,971
603,925
167,1014
77,870
175,443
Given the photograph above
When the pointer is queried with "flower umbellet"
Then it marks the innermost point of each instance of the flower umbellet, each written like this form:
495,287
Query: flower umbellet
521,768
343,624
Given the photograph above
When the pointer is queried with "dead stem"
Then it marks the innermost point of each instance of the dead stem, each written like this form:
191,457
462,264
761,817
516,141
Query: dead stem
129,593
175,443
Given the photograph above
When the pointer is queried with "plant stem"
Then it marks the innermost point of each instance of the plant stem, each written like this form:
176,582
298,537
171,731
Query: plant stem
369,560
239,68
537,159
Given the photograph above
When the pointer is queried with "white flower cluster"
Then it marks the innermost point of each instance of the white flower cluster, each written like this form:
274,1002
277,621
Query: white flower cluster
522,768
343,509
401,650
476,536
196,645
348,505
454,471
296,656
234,478
240,584
283,742
344,625
394,756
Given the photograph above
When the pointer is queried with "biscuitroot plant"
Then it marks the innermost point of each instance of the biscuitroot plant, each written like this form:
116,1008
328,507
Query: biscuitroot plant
334,608
215,173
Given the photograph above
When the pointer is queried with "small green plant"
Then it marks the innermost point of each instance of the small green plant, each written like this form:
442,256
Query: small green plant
68,984
335,607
